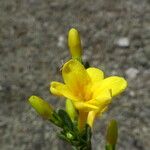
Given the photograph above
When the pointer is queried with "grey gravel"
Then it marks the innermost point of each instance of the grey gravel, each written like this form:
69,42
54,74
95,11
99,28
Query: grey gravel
132,73
33,47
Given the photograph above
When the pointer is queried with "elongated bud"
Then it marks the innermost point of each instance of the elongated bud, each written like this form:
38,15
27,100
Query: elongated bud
112,132
74,44
42,107
70,109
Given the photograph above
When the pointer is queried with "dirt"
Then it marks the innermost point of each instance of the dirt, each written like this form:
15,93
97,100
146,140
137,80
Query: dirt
33,46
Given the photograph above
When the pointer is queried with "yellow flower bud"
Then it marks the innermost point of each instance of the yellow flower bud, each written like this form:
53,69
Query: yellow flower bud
42,107
74,44
112,132
70,109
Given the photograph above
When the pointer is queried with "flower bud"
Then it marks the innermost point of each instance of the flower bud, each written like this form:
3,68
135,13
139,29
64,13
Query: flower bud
74,44
112,132
69,136
42,107
70,109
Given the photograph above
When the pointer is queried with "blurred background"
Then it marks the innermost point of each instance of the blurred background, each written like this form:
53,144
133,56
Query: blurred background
33,46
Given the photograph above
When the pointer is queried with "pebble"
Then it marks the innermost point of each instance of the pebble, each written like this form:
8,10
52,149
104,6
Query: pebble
132,93
61,41
132,73
123,42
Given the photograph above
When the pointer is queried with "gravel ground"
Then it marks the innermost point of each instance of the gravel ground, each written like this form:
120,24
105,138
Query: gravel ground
116,38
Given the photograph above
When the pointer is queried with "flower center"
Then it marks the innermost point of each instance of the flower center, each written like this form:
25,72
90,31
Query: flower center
84,92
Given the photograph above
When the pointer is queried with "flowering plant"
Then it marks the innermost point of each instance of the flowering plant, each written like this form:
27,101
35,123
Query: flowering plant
88,95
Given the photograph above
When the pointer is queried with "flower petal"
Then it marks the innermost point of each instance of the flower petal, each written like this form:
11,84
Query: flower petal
95,74
114,85
93,114
99,102
85,106
75,77
91,118
60,89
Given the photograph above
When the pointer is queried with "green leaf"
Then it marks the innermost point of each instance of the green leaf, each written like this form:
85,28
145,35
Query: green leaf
86,133
56,119
66,121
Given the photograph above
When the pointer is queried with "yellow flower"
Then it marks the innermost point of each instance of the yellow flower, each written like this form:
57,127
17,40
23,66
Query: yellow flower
89,91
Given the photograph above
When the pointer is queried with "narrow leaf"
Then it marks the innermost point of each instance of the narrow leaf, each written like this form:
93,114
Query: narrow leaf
65,119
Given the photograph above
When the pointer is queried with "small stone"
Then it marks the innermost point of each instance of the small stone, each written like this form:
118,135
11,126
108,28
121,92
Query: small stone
61,41
132,93
132,73
123,42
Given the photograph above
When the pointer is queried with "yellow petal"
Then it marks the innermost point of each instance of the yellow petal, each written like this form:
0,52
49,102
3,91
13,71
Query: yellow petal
60,89
85,106
95,74
115,85
99,102
104,95
91,118
75,77
102,100
93,114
